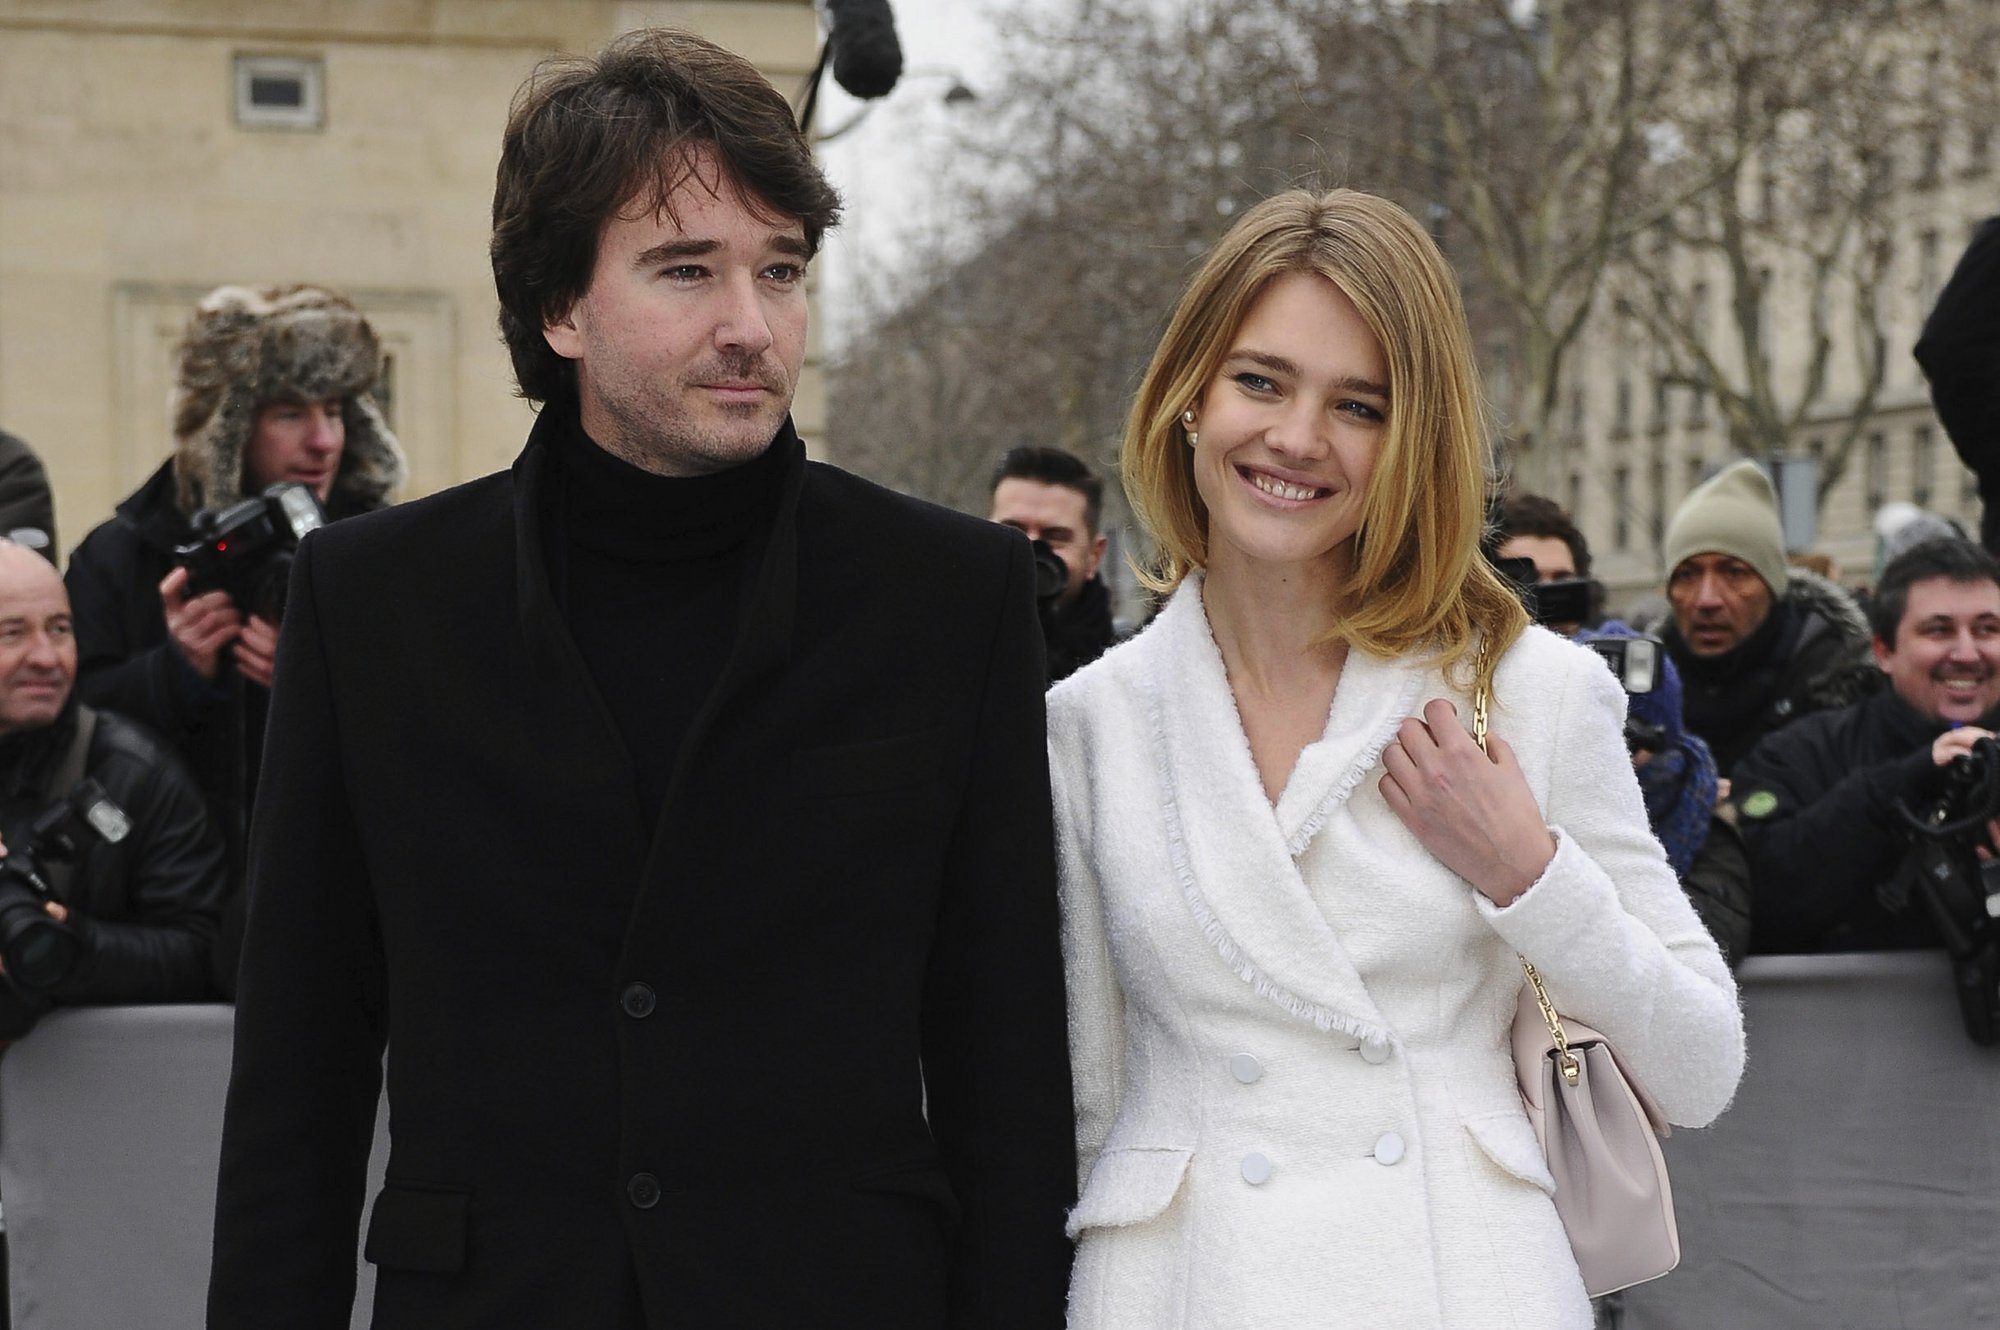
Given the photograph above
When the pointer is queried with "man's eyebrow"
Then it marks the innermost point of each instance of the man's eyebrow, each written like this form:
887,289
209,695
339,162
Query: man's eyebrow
1347,382
669,251
673,251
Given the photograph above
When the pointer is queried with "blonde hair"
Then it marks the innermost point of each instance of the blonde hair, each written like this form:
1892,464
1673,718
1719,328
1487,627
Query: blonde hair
1417,581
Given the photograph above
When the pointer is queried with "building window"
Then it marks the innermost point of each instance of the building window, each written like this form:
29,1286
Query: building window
1656,503
1696,465
1928,277
1922,462
1621,416
1875,475
280,91
1621,508
1659,403
1978,149
1575,505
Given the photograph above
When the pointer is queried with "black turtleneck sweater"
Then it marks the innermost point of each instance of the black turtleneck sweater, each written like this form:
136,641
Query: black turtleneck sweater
651,574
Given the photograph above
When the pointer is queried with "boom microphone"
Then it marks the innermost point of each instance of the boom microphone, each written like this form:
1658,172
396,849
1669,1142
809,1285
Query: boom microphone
867,58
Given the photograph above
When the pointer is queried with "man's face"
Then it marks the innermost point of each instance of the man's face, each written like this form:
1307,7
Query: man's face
299,441
1718,601
37,649
1551,557
1053,514
1945,661
689,339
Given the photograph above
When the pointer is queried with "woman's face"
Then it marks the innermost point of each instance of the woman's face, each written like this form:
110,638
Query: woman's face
1290,428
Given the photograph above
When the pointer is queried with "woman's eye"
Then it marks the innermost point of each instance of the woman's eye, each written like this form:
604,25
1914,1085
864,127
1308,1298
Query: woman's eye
1363,410
1256,383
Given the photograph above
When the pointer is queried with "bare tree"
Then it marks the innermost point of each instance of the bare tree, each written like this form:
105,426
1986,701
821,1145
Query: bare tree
1812,128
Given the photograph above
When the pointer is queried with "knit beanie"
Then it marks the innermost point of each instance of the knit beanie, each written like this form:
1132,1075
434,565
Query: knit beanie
1733,512
246,346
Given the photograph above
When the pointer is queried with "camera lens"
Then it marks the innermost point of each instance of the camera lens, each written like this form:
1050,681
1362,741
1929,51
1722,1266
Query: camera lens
38,951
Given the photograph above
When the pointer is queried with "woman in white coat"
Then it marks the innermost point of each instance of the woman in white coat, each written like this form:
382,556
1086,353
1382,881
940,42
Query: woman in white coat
1295,889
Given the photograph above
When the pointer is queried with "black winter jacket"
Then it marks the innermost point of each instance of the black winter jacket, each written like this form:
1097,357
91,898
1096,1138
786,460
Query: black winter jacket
1811,655
126,662
1817,805
147,907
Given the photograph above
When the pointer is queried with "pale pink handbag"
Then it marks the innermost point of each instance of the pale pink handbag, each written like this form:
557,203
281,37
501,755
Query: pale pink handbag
1599,1131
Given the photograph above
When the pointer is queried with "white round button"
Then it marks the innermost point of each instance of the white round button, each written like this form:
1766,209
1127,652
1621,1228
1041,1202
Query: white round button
1256,1169
1389,1149
1246,1069
1374,1052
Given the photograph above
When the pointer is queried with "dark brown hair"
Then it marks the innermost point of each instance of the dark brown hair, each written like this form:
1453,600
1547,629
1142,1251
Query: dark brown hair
1053,466
1526,514
588,139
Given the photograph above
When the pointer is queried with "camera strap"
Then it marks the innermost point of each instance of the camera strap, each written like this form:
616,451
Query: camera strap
69,774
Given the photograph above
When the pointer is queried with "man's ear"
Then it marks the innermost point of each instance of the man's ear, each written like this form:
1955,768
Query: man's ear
564,335
1882,653
1097,544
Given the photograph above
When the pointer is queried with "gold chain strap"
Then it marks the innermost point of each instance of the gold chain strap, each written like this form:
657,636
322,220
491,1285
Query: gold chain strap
1566,1061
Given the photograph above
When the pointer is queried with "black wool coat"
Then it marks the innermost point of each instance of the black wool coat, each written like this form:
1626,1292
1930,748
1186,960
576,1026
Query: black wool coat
817,1076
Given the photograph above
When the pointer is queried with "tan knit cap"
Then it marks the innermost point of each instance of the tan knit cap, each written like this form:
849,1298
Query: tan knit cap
1733,512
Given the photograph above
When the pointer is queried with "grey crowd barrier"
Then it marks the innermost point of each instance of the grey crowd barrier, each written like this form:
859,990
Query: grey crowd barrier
1855,1184
110,1129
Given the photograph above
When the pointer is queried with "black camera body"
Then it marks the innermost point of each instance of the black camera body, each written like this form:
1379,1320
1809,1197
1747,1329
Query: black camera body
246,549
39,952
1959,891
1566,600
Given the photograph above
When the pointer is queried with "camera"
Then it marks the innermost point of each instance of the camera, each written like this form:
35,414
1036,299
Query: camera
38,951
1051,574
1958,890
1566,600
246,548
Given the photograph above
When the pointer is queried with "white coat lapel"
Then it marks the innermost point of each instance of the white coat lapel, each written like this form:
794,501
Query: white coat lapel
1229,850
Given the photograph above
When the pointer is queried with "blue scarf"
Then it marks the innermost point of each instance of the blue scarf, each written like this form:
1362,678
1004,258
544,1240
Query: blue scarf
1679,786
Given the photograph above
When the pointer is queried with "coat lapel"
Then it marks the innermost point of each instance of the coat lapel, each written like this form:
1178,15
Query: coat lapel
1232,853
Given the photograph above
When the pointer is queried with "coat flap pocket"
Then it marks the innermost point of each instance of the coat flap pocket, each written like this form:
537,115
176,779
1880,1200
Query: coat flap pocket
420,1227
1510,1142
874,764
1128,1187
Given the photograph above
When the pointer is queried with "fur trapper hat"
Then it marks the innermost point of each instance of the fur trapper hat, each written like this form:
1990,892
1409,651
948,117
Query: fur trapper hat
246,346
1733,512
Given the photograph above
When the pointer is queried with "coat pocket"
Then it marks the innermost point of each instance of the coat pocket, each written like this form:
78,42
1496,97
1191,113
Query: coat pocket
1508,1140
420,1227
869,766
1129,1187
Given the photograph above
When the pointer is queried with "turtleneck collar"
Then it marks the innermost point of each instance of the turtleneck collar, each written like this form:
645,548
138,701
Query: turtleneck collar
613,508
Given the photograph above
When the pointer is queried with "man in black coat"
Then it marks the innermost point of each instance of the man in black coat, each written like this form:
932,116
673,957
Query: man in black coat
137,912
1960,354
1051,496
1817,800
673,808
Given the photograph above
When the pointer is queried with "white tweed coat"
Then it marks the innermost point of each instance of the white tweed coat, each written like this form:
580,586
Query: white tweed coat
1296,1105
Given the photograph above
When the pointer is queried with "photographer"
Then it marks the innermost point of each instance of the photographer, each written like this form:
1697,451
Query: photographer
1678,780
1818,800
273,384
140,913
1057,501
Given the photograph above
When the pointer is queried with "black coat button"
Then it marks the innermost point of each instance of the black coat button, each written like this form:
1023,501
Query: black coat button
638,1001
643,1190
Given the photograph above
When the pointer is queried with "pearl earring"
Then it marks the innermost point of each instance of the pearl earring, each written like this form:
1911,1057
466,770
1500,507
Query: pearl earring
1187,419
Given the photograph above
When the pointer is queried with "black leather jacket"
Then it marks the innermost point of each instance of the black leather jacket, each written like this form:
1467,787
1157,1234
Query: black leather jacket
146,908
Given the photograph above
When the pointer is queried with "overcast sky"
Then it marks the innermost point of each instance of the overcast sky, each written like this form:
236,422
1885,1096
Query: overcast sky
887,165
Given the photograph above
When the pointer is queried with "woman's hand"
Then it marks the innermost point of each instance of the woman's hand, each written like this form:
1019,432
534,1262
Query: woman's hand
1472,810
